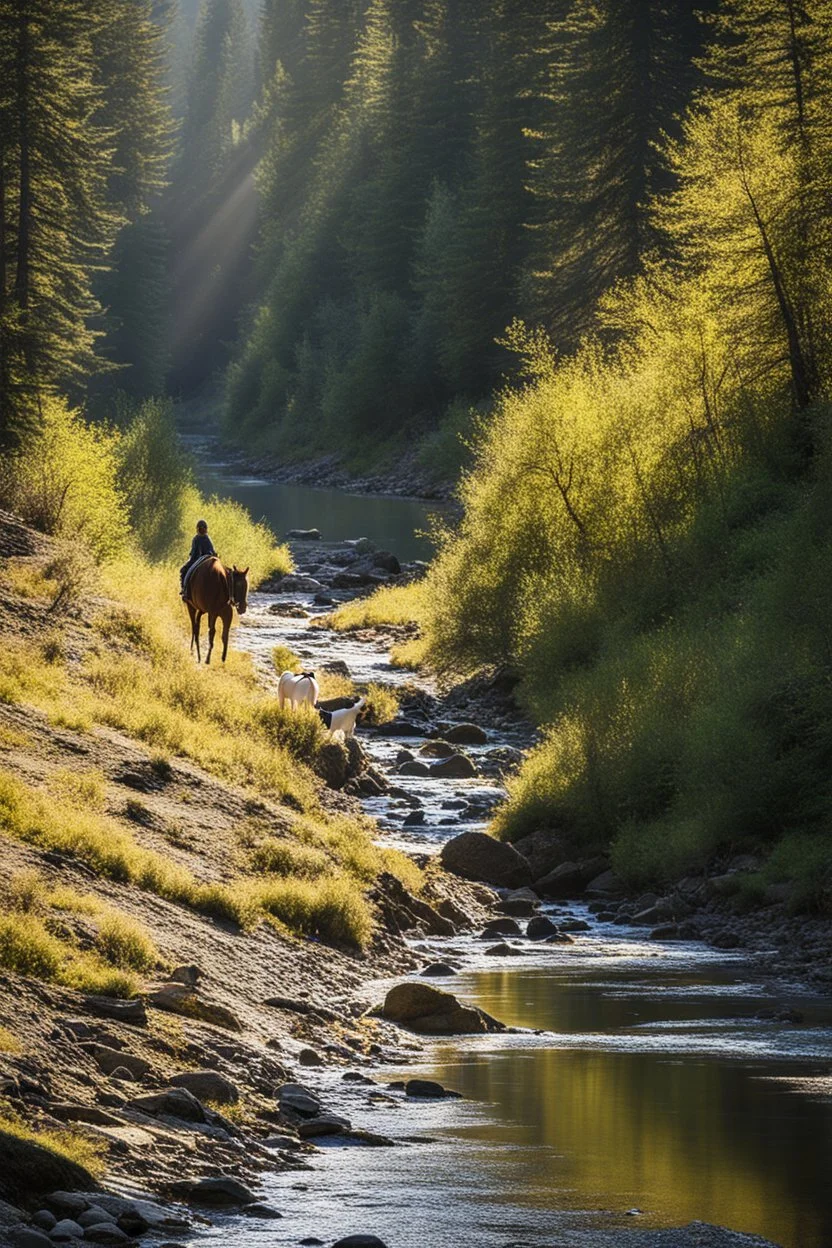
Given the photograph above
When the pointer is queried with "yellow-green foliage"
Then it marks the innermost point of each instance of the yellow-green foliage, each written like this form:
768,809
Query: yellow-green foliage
9,1042
75,1146
290,857
29,948
81,788
392,604
64,481
126,943
329,908
381,704
284,660
237,538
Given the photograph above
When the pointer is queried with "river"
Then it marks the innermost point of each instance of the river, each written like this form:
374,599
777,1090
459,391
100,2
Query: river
650,1093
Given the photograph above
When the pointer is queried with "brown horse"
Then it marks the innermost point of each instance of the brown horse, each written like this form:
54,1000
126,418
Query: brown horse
215,591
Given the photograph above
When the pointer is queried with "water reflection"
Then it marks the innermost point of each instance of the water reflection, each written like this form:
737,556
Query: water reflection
699,1138
392,523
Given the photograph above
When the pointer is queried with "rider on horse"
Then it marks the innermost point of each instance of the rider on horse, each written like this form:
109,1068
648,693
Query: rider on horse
200,547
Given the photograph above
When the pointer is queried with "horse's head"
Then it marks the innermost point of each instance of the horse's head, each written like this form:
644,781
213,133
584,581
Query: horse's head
239,588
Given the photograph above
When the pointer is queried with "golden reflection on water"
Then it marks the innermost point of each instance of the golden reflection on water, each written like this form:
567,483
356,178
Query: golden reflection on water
701,1138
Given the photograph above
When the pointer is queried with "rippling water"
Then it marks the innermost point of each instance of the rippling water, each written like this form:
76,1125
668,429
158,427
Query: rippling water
651,1094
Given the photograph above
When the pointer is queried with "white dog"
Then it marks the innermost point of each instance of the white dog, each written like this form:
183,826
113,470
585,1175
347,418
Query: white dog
343,720
297,690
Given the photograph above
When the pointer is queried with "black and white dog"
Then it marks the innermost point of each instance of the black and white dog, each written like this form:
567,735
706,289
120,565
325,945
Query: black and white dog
343,720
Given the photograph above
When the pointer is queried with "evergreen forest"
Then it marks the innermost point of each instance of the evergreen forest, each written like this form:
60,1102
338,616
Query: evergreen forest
574,255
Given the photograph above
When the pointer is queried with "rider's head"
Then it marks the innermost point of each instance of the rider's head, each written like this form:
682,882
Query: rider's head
202,526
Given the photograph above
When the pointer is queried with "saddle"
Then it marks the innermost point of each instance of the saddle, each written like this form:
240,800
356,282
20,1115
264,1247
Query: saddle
188,575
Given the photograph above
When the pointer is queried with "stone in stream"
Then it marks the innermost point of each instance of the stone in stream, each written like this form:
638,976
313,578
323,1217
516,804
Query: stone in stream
504,951
258,1210
573,925
456,767
308,1057
428,1089
359,1241
66,1231
466,734
437,970
516,907
437,749
324,1124
404,756
303,535
106,1233
540,927
429,1011
569,879
294,584
220,1192
399,728
414,768
299,1100
559,938
414,819
500,927
476,856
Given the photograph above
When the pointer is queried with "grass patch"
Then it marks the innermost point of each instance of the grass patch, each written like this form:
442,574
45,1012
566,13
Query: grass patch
9,1043
82,788
331,908
27,947
285,660
290,857
126,943
389,605
73,1145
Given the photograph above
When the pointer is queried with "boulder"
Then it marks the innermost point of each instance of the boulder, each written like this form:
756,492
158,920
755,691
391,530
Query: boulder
261,1211
324,1124
466,734
207,1085
560,938
414,820
517,908
308,1057
358,1241
504,951
188,974
303,535
456,767
437,970
428,1089
399,728
133,1012
94,1216
666,931
573,925
605,884
109,1060
429,1011
106,1233
415,768
569,879
437,749
28,1170
181,999
500,927
222,1192
28,1237
387,561
293,584
44,1220
298,1100
65,1231
540,927
475,856
171,1103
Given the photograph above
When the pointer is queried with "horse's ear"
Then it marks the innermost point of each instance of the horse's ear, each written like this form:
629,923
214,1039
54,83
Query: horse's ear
244,572
234,567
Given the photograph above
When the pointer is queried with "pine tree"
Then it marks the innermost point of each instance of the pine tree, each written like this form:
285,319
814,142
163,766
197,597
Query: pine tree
58,221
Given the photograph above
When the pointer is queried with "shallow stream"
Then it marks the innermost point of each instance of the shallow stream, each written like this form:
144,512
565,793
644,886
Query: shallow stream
647,1091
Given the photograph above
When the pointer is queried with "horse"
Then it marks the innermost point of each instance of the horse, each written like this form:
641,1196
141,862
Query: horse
215,591
297,690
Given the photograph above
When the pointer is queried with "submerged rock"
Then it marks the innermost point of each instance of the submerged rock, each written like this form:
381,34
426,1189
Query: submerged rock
221,1192
455,767
437,970
428,1089
466,734
540,927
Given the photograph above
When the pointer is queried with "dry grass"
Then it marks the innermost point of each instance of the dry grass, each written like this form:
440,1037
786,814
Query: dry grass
9,1043
72,1144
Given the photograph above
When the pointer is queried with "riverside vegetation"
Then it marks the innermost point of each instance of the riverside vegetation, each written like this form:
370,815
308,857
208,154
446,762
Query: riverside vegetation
646,527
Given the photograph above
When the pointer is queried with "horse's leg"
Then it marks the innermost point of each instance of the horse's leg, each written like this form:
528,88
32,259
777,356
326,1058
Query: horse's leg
212,632
192,614
226,628
197,624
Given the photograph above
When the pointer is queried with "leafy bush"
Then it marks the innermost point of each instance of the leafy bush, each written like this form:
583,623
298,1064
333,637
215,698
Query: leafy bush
64,480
